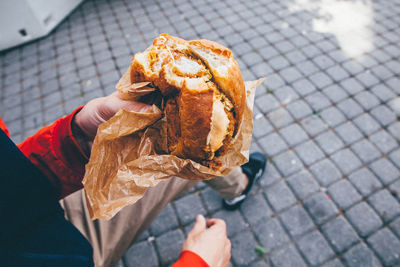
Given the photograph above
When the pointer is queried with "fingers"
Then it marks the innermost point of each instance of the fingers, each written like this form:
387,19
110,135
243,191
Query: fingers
200,224
216,224
116,103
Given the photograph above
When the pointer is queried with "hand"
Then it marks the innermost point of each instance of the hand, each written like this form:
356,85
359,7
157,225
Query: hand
95,113
211,244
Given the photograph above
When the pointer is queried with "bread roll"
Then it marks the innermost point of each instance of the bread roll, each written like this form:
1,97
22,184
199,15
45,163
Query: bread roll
203,91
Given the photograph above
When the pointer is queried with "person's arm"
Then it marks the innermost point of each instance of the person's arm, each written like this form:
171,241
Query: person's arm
206,246
60,150
56,153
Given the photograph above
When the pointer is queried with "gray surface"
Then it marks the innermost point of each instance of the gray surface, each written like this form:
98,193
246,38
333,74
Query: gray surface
327,120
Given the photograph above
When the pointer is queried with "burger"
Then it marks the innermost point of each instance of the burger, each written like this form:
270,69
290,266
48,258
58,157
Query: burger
203,94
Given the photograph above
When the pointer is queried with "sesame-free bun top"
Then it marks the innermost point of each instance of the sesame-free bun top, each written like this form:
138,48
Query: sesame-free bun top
203,92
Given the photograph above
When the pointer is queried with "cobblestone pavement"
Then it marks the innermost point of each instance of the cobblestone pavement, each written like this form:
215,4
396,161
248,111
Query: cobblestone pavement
327,117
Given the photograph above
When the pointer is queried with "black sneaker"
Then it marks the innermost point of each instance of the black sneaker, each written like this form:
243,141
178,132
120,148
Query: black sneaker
254,169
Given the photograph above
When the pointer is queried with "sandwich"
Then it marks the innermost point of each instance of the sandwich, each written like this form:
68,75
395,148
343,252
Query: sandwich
203,94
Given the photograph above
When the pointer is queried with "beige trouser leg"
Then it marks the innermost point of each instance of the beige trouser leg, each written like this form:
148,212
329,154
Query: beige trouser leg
229,186
111,239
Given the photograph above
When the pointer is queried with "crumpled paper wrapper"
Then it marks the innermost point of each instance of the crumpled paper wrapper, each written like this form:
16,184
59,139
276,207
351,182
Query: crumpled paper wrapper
129,154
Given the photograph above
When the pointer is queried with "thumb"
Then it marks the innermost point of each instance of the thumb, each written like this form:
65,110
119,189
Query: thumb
200,224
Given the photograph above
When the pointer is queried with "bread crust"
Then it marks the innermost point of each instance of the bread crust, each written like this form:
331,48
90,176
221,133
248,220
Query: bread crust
193,103
232,83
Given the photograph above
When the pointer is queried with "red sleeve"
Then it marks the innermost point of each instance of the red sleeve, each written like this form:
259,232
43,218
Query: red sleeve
56,153
189,258
4,127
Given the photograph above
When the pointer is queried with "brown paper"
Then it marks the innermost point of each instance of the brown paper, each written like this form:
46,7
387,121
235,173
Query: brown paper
128,156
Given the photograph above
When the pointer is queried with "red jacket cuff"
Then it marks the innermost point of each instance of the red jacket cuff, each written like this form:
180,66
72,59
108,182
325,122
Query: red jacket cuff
54,150
189,258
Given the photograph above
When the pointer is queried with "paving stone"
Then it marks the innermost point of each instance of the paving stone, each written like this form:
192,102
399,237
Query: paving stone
295,56
346,161
367,100
344,194
299,109
315,248
144,236
275,81
261,127
345,239
365,181
188,207
337,73
243,246
385,205
335,93
350,108
270,176
165,221
272,144
332,116
279,196
352,86
211,199
313,125
384,141
309,152
383,92
255,209
304,87
348,133
385,170
51,99
141,254
325,172
329,142
323,61
280,118
259,263
395,157
287,256
270,234
307,67
395,226
267,103
52,114
367,79
302,184
234,221
387,246
366,151
293,134
320,207
278,63
333,263
360,255
394,129
262,69
296,221
317,101
169,246
290,74
321,80
383,115
286,95
288,163
366,124
364,219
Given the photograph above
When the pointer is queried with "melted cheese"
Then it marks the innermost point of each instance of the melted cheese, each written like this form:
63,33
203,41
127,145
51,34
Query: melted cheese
219,126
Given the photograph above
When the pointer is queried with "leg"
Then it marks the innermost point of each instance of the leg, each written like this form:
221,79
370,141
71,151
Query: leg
229,186
111,239
235,187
